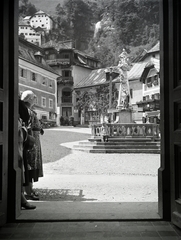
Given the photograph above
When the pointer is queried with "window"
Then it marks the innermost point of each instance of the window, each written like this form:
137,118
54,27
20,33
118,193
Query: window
22,72
50,103
131,93
149,82
50,84
33,76
44,81
36,100
67,96
65,55
43,102
66,73
155,80
44,117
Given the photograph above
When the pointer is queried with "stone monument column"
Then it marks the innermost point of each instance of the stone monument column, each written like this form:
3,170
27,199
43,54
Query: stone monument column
124,91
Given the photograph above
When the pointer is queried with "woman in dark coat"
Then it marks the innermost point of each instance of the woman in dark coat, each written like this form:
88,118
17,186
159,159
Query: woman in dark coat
22,140
34,157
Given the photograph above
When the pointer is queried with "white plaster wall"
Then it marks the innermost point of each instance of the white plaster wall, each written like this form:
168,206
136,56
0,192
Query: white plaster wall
37,87
26,31
41,20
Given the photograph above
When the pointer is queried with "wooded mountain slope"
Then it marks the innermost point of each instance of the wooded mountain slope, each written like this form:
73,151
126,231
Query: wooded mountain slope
129,24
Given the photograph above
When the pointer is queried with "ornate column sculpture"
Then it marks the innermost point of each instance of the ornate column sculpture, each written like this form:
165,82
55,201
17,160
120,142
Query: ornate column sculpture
124,92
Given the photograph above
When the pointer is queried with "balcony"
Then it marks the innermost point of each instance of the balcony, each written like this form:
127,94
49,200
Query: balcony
58,61
66,99
65,80
149,105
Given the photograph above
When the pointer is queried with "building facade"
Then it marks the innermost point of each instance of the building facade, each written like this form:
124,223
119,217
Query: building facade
36,75
42,20
34,28
73,66
144,89
28,33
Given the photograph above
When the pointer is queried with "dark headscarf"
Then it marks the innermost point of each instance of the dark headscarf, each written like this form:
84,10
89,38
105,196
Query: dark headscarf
23,112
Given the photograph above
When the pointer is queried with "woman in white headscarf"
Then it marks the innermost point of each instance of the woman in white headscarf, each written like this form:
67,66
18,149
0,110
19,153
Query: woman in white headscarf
34,156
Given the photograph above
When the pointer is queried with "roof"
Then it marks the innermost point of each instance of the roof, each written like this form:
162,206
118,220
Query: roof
65,45
136,71
138,68
40,12
23,22
28,55
27,18
151,69
156,48
95,78
58,45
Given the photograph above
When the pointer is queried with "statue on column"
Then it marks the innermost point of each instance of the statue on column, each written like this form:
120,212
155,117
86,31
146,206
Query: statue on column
124,92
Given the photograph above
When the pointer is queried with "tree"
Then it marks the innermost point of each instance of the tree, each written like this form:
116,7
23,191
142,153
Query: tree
26,8
74,16
97,100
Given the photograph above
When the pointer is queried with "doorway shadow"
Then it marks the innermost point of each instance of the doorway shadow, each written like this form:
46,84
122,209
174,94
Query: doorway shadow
87,211
62,195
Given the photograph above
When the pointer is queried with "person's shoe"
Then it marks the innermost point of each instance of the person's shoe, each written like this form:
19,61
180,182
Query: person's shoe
27,206
32,197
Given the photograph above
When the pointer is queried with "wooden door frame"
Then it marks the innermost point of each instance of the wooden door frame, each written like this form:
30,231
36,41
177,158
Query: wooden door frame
164,192
10,25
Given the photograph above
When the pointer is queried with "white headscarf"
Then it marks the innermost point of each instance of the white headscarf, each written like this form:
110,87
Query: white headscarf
28,96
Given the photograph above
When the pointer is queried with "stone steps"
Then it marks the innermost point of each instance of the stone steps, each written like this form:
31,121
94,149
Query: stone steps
121,146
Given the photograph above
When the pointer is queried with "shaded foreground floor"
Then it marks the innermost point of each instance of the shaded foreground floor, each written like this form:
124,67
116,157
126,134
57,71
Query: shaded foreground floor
134,230
65,211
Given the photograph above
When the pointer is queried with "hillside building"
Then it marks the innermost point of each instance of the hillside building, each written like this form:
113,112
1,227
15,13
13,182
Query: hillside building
42,20
34,28
36,75
28,33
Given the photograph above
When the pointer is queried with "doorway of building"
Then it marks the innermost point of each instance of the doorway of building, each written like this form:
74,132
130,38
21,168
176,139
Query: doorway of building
67,112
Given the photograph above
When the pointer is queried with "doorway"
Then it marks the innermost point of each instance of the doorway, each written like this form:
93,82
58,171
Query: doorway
168,10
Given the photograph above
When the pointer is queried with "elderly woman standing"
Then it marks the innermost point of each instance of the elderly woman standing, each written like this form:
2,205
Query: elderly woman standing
34,156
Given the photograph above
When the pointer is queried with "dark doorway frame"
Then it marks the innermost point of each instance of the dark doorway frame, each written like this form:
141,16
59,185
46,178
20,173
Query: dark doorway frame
11,12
